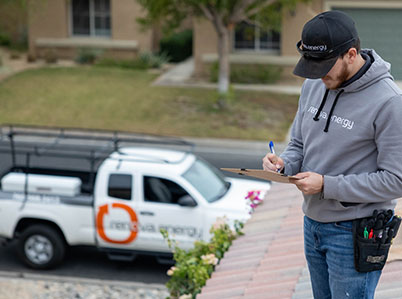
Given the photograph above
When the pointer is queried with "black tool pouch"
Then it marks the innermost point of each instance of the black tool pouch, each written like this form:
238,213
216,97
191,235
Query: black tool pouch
371,253
370,256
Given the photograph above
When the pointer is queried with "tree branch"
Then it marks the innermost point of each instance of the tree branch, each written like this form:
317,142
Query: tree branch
220,26
258,8
207,12
251,22
238,11
212,14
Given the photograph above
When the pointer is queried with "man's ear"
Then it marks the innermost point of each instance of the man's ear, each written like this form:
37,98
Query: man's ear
351,55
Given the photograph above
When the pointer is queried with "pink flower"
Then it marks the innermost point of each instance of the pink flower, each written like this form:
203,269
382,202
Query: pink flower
253,194
254,198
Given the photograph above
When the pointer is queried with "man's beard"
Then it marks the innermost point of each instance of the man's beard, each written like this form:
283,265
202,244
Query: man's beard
341,78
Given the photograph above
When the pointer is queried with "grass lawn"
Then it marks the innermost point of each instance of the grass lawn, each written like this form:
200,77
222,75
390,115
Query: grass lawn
117,99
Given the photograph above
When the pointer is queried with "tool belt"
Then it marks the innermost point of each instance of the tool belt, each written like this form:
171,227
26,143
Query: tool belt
372,239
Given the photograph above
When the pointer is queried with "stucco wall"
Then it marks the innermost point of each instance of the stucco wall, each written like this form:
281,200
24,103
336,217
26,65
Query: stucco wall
46,18
204,42
125,26
13,21
50,20
293,22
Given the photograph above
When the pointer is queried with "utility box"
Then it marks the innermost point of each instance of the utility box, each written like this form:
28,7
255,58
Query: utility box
43,184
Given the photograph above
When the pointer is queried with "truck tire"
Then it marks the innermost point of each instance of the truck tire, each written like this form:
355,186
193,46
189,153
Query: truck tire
41,247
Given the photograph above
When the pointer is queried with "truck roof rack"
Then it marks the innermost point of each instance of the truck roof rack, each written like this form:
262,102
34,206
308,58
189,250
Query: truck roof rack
68,142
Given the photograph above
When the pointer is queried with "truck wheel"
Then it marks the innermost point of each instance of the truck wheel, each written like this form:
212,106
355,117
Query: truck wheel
41,247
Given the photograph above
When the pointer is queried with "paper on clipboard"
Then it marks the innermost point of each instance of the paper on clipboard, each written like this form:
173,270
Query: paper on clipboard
262,174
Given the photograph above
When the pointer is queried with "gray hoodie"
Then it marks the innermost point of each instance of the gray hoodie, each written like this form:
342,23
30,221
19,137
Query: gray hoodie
360,155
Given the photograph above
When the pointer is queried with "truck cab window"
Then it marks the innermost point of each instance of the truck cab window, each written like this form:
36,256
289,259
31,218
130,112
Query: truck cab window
120,186
162,190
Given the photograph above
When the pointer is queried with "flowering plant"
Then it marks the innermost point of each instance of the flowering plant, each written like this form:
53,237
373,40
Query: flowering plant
193,267
210,259
254,198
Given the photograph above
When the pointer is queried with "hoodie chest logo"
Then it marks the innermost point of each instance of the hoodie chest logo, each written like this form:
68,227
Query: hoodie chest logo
343,122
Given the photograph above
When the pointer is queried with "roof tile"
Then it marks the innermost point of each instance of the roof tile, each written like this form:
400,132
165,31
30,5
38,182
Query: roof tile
268,261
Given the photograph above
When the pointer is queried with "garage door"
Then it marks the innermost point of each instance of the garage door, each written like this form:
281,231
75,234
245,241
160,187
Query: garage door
381,30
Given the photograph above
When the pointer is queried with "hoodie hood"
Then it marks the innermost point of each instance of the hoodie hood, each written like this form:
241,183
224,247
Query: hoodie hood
378,70
374,70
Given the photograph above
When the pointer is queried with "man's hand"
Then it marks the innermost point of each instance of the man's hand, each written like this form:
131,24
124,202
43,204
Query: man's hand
272,162
309,182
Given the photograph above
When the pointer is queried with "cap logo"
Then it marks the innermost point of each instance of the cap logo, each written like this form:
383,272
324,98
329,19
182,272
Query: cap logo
321,48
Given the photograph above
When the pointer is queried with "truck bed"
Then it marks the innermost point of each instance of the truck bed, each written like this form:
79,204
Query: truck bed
87,178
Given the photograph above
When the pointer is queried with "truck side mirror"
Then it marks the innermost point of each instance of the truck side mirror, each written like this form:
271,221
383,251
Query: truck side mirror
187,201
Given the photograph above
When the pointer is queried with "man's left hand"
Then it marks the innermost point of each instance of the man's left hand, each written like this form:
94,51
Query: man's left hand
309,182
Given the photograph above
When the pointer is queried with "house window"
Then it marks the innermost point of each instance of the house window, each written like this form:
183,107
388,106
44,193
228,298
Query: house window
251,37
90,17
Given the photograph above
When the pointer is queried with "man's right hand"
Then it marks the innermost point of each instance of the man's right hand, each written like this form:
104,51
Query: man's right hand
272,162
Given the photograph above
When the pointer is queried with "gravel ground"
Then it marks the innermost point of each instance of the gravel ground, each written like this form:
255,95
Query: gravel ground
72,288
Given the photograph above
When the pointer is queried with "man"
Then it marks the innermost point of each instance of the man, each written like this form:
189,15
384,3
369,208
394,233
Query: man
345,150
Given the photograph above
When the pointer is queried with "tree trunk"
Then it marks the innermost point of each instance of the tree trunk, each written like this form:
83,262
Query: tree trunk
224,66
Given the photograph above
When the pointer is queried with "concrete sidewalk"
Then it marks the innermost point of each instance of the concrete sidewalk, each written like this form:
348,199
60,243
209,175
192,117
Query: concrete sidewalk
181,76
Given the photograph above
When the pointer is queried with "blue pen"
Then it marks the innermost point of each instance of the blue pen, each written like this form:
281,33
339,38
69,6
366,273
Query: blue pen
272,149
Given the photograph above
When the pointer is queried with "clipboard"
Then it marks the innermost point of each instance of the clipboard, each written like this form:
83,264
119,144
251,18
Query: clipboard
262,174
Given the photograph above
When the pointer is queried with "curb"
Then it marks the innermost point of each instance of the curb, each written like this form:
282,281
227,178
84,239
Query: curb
233,146
283,89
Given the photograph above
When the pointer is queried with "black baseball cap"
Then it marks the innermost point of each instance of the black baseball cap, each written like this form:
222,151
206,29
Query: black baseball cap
324,38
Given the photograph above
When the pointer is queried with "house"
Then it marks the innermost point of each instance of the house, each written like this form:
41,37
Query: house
379,24
65,26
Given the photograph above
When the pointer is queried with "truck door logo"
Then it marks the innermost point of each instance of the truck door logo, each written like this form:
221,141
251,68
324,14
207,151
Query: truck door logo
104,210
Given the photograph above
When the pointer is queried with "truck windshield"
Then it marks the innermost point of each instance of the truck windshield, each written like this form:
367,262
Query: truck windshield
207,180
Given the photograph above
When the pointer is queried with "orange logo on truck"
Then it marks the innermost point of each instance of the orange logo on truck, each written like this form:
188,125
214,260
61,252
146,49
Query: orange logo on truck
103,210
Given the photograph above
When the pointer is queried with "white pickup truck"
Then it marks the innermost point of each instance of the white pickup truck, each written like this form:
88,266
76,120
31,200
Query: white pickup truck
119,206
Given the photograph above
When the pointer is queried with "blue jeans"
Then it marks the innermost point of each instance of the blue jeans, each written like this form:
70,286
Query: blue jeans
329,252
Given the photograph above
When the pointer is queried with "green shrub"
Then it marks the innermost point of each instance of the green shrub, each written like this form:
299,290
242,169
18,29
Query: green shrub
178,46
194,266
50,56
121,63
151,60
88,55
145,61
20,44
4,40
249,73
1,60
31,58
15,55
